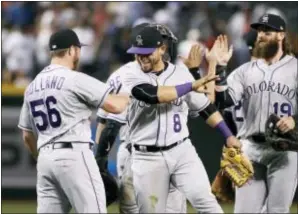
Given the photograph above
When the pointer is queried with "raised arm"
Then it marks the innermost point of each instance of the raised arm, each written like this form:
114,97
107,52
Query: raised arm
228,91
143,90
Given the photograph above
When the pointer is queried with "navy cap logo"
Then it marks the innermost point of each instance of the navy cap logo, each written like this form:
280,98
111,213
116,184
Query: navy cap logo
161,29
265,18
139,40
54,46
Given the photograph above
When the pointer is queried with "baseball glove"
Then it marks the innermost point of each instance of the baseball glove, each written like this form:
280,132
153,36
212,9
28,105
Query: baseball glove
279,141
222,187
236,166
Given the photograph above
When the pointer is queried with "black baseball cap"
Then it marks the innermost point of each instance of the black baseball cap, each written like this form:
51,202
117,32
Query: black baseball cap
270,21
136,29
146,41
64,39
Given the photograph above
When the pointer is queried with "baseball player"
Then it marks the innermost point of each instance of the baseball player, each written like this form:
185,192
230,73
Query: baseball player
234,115
266,85
55,120
162,94
108,127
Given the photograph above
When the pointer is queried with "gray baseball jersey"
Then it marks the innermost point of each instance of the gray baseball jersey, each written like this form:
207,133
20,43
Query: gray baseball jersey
176,202
115,82
161,124
57,105
264,89
237,110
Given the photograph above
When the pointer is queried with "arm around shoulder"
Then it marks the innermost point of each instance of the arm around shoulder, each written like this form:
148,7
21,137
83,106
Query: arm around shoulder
115,104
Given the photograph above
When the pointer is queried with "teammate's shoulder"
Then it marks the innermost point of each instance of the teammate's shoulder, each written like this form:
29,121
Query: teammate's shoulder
179,67
291,59
246,67
183,72
130,66
132,69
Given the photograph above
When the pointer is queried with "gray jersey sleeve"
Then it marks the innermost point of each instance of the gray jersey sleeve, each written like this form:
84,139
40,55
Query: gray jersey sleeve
236,84
132,79
25,121
90,90
196,103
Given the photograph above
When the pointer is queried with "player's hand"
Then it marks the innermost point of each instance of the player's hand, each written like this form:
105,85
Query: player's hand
286,124
221,52
232,141
199,85
195,57
211,55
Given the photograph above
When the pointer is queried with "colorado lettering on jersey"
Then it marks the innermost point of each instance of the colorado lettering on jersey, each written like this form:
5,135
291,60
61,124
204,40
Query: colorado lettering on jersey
270,86
49,82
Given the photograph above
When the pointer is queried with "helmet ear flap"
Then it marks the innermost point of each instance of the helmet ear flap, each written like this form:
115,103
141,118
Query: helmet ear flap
166,32
170,40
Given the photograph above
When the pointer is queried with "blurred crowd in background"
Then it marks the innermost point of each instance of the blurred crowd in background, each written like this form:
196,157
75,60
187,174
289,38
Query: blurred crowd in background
106,26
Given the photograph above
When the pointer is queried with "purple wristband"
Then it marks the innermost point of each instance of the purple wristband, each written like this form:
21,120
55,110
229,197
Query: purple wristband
183,89
224,129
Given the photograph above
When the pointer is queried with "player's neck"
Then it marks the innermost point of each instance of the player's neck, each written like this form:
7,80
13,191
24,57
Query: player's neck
159,67
62,62
276,58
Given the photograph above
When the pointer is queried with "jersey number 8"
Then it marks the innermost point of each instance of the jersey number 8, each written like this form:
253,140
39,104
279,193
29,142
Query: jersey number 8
51,116
177,123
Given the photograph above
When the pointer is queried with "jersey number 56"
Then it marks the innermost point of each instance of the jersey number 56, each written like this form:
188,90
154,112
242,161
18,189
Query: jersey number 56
50,116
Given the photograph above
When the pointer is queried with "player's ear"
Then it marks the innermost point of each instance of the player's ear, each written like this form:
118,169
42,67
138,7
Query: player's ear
281,36
163,49
72,50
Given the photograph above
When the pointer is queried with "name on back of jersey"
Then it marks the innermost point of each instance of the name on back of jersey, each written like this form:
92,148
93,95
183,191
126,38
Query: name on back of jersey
47,82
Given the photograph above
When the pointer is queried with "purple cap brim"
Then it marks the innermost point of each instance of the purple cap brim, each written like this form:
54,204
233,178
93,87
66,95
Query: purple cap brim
137,50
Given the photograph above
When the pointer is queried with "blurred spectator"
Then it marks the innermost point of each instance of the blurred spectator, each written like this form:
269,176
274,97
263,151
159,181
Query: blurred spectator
18,49
87,36
193,36
106,27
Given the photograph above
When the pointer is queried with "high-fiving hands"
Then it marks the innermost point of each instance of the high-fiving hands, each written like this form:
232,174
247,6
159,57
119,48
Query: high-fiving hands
194,58
220,52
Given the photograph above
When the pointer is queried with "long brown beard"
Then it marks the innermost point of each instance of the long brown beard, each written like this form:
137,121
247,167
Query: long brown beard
266,50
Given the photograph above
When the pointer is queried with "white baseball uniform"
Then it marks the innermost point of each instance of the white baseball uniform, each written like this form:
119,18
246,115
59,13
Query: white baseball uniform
176,202
266,89
166,125
58,104
237,110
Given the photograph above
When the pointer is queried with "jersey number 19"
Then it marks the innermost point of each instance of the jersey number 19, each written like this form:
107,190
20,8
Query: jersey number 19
282,109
